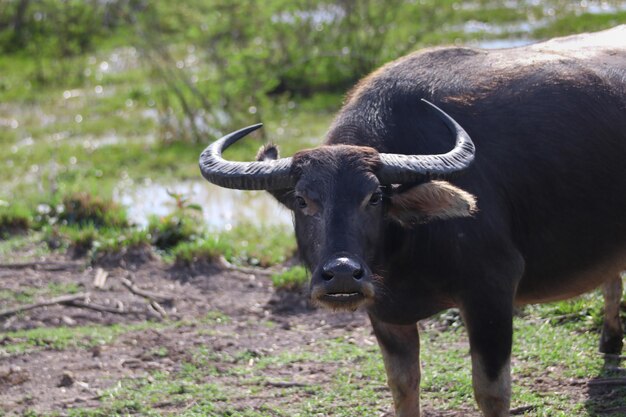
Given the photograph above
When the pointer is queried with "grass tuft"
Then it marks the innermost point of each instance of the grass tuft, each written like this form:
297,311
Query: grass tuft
291,280
115,240
203,251
260,246
83,209
169,231
14,219
80,240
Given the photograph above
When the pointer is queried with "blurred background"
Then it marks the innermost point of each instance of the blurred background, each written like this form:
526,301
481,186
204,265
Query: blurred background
105,105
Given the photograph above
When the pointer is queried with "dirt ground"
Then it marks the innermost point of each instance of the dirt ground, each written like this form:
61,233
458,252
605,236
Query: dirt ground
49,380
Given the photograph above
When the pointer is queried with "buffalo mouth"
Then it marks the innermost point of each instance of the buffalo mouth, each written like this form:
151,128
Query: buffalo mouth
343,297
344,300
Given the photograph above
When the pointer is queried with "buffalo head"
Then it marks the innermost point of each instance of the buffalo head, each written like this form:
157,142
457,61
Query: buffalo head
342,197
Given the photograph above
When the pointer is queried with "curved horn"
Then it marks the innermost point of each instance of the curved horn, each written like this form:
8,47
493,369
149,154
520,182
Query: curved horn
400,169
258,175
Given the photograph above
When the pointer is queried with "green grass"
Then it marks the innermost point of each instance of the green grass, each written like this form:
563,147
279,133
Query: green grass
355,384
14,219
292,279
61,338
115,241
243,245
201,251
259,245
212,383
27,295
174,229
19,248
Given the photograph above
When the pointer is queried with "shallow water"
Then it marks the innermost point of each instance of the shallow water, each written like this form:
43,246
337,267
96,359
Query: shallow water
222,208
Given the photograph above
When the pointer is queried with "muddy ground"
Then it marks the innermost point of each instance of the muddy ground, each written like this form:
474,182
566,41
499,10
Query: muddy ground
57,380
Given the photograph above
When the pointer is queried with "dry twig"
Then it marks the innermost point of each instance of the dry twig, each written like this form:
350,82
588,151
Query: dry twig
64,299
158,308
246,270
159,298
100,279
46,266
522,410
101,308
607,381
280,384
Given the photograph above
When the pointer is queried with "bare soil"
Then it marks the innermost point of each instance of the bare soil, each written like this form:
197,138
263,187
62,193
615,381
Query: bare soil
49,380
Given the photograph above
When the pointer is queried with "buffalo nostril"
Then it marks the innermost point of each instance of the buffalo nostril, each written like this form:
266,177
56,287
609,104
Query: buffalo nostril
327,275
358,274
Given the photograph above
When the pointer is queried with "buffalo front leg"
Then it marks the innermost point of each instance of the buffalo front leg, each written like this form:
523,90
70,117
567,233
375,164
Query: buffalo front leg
400,348
490,329
611,339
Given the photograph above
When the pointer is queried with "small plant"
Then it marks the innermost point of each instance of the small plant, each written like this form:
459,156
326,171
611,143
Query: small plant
120,246
80,238
14,219
114,240
84,208
201,251
171,230
292,279
182,202
179,226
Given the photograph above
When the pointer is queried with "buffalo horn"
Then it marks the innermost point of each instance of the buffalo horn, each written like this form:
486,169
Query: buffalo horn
401,169
258,175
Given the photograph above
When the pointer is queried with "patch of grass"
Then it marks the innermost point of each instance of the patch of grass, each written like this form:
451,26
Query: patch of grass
27,295
21,248
88,209
584,311
145,396
88,240
215,317
79,239
169,231
292,279
22,296
115,240
259,245
205,250
14,219
60,338
243,245
213,382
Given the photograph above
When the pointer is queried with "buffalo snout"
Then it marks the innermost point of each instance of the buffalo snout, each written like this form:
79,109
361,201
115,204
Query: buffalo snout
342,282
342,269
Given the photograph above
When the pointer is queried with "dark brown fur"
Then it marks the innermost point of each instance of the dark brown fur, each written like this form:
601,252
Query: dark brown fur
549,125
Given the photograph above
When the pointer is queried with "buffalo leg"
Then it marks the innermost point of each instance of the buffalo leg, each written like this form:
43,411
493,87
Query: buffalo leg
611,339
490,329
400,348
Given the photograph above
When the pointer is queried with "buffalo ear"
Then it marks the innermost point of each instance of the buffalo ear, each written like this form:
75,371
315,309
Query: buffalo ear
270,152
267,152
429,201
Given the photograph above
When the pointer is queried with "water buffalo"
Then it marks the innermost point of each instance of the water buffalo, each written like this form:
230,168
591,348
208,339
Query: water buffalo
531,209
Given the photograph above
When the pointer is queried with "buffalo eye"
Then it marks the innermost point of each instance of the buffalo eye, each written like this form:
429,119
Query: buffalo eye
376,198
300,202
